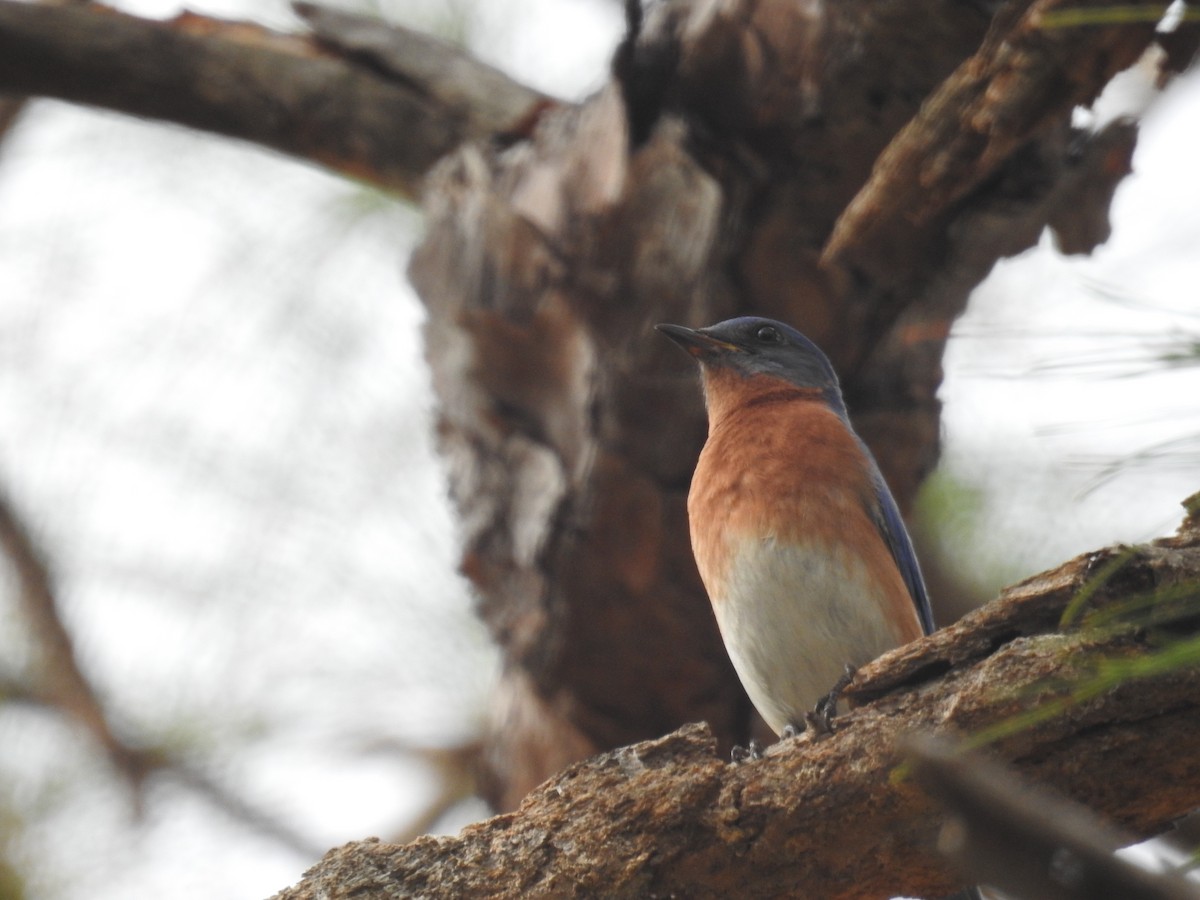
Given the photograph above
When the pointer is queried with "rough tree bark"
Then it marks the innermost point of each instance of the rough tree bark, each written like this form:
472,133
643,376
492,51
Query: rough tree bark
832,818
852,168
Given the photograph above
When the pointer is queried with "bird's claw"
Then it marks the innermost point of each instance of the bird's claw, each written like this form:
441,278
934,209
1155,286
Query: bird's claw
753,751
820,721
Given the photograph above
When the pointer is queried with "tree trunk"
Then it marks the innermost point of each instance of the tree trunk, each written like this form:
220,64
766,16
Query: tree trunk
749,157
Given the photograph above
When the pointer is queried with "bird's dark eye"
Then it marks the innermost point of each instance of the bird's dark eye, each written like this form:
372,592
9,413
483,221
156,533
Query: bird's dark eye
769,335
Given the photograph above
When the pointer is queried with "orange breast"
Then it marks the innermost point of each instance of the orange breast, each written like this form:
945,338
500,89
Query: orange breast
780,466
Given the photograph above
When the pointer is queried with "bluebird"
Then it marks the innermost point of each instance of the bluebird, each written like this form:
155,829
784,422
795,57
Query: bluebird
797,538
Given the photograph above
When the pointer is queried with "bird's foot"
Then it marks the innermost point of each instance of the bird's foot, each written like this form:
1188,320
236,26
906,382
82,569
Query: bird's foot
820,720
789,731
753,751
818,723
829,701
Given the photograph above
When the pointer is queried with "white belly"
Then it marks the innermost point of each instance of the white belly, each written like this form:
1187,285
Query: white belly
792,618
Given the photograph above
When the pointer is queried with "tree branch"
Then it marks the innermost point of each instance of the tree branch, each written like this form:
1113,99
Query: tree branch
668,817
995,102
12,106
1030,843
367,114
62,683
63,687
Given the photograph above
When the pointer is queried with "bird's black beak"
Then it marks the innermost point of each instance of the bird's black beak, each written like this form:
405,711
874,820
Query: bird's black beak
697,343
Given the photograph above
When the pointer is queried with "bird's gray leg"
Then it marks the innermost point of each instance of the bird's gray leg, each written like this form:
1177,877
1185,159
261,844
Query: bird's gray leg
820,720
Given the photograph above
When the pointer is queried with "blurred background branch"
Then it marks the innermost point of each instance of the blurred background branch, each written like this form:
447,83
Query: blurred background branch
60,685
384,112
1026,840
59,682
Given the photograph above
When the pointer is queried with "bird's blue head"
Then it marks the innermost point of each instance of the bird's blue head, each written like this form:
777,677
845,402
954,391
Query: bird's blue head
752,346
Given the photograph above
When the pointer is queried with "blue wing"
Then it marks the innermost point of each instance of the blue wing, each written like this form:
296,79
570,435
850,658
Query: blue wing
891,526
